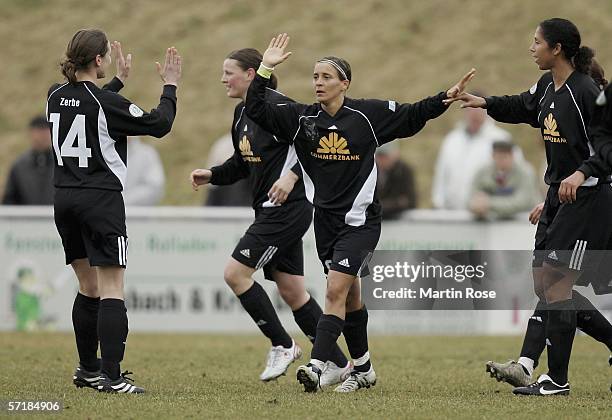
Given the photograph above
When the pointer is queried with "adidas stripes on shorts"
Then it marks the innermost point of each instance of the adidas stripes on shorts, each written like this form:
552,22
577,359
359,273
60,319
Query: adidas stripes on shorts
342,247
567,232
274,240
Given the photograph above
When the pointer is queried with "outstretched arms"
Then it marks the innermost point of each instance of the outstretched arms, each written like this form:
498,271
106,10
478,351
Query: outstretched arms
279,119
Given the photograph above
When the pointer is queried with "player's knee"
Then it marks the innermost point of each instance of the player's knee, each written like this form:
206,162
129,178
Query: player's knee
233,277
289,296
335,294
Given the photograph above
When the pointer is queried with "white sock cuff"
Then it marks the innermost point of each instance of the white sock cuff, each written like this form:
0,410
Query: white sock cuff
362,360
319,364
527,363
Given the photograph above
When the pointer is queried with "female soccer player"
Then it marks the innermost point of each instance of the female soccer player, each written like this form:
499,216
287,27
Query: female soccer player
561,104
89,127
335,140
274,241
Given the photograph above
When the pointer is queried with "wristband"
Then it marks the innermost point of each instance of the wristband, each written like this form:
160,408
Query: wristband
264,71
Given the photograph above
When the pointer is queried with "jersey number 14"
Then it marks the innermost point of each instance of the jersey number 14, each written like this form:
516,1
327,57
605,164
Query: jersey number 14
68,149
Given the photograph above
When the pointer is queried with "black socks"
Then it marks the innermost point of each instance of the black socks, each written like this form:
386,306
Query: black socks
307,317
113,331
560,331
258,305
85,323
356,335
591,321
535,336
329,329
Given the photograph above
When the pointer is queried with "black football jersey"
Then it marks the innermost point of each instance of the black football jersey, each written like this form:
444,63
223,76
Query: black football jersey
260,156
563,117
89,127
336,153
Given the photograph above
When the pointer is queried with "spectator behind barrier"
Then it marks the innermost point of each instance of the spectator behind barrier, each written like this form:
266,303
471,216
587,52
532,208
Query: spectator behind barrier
30,180
237,194
504,188
464,151
395,186
145,177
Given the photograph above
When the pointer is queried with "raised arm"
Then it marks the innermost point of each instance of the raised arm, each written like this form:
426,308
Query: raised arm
391,120
279,119
514,109
124,64
127,119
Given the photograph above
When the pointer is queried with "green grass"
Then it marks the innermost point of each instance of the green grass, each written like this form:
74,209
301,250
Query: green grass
216,376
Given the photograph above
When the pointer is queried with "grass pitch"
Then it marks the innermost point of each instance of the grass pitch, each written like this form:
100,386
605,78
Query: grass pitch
216,376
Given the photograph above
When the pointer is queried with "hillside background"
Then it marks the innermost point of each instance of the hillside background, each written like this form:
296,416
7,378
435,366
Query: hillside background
401,50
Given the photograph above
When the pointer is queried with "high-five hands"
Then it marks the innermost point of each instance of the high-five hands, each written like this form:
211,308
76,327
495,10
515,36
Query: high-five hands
170,72
460,86
275,54
124,64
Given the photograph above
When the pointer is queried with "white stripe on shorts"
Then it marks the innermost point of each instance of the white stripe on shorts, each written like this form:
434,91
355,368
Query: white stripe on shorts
577,255
119,248
266,257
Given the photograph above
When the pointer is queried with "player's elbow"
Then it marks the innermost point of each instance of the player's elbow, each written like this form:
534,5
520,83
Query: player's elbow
162,128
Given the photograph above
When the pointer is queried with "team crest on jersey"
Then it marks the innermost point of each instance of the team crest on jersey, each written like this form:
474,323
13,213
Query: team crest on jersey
334,147
550,132
310,129
135,111
245,150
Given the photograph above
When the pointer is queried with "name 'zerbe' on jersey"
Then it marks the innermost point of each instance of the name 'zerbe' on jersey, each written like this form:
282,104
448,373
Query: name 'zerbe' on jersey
89,129
337,152
260,156
563,117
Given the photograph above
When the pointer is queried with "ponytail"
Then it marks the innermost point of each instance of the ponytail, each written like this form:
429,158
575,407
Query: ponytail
584,59
68,69
597,74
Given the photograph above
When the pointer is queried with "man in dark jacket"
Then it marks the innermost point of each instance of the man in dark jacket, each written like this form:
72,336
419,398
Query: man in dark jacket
395,185
30,180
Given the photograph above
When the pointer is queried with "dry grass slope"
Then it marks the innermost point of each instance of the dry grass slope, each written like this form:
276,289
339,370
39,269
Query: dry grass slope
398,49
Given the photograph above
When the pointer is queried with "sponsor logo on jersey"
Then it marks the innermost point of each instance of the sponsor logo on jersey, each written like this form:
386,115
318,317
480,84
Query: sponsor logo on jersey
550,130
552,105
533,88
135,111
392,105
333,147
246,152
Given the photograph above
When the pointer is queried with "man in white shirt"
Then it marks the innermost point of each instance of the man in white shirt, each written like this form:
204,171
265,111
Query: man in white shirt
145,177
464,151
